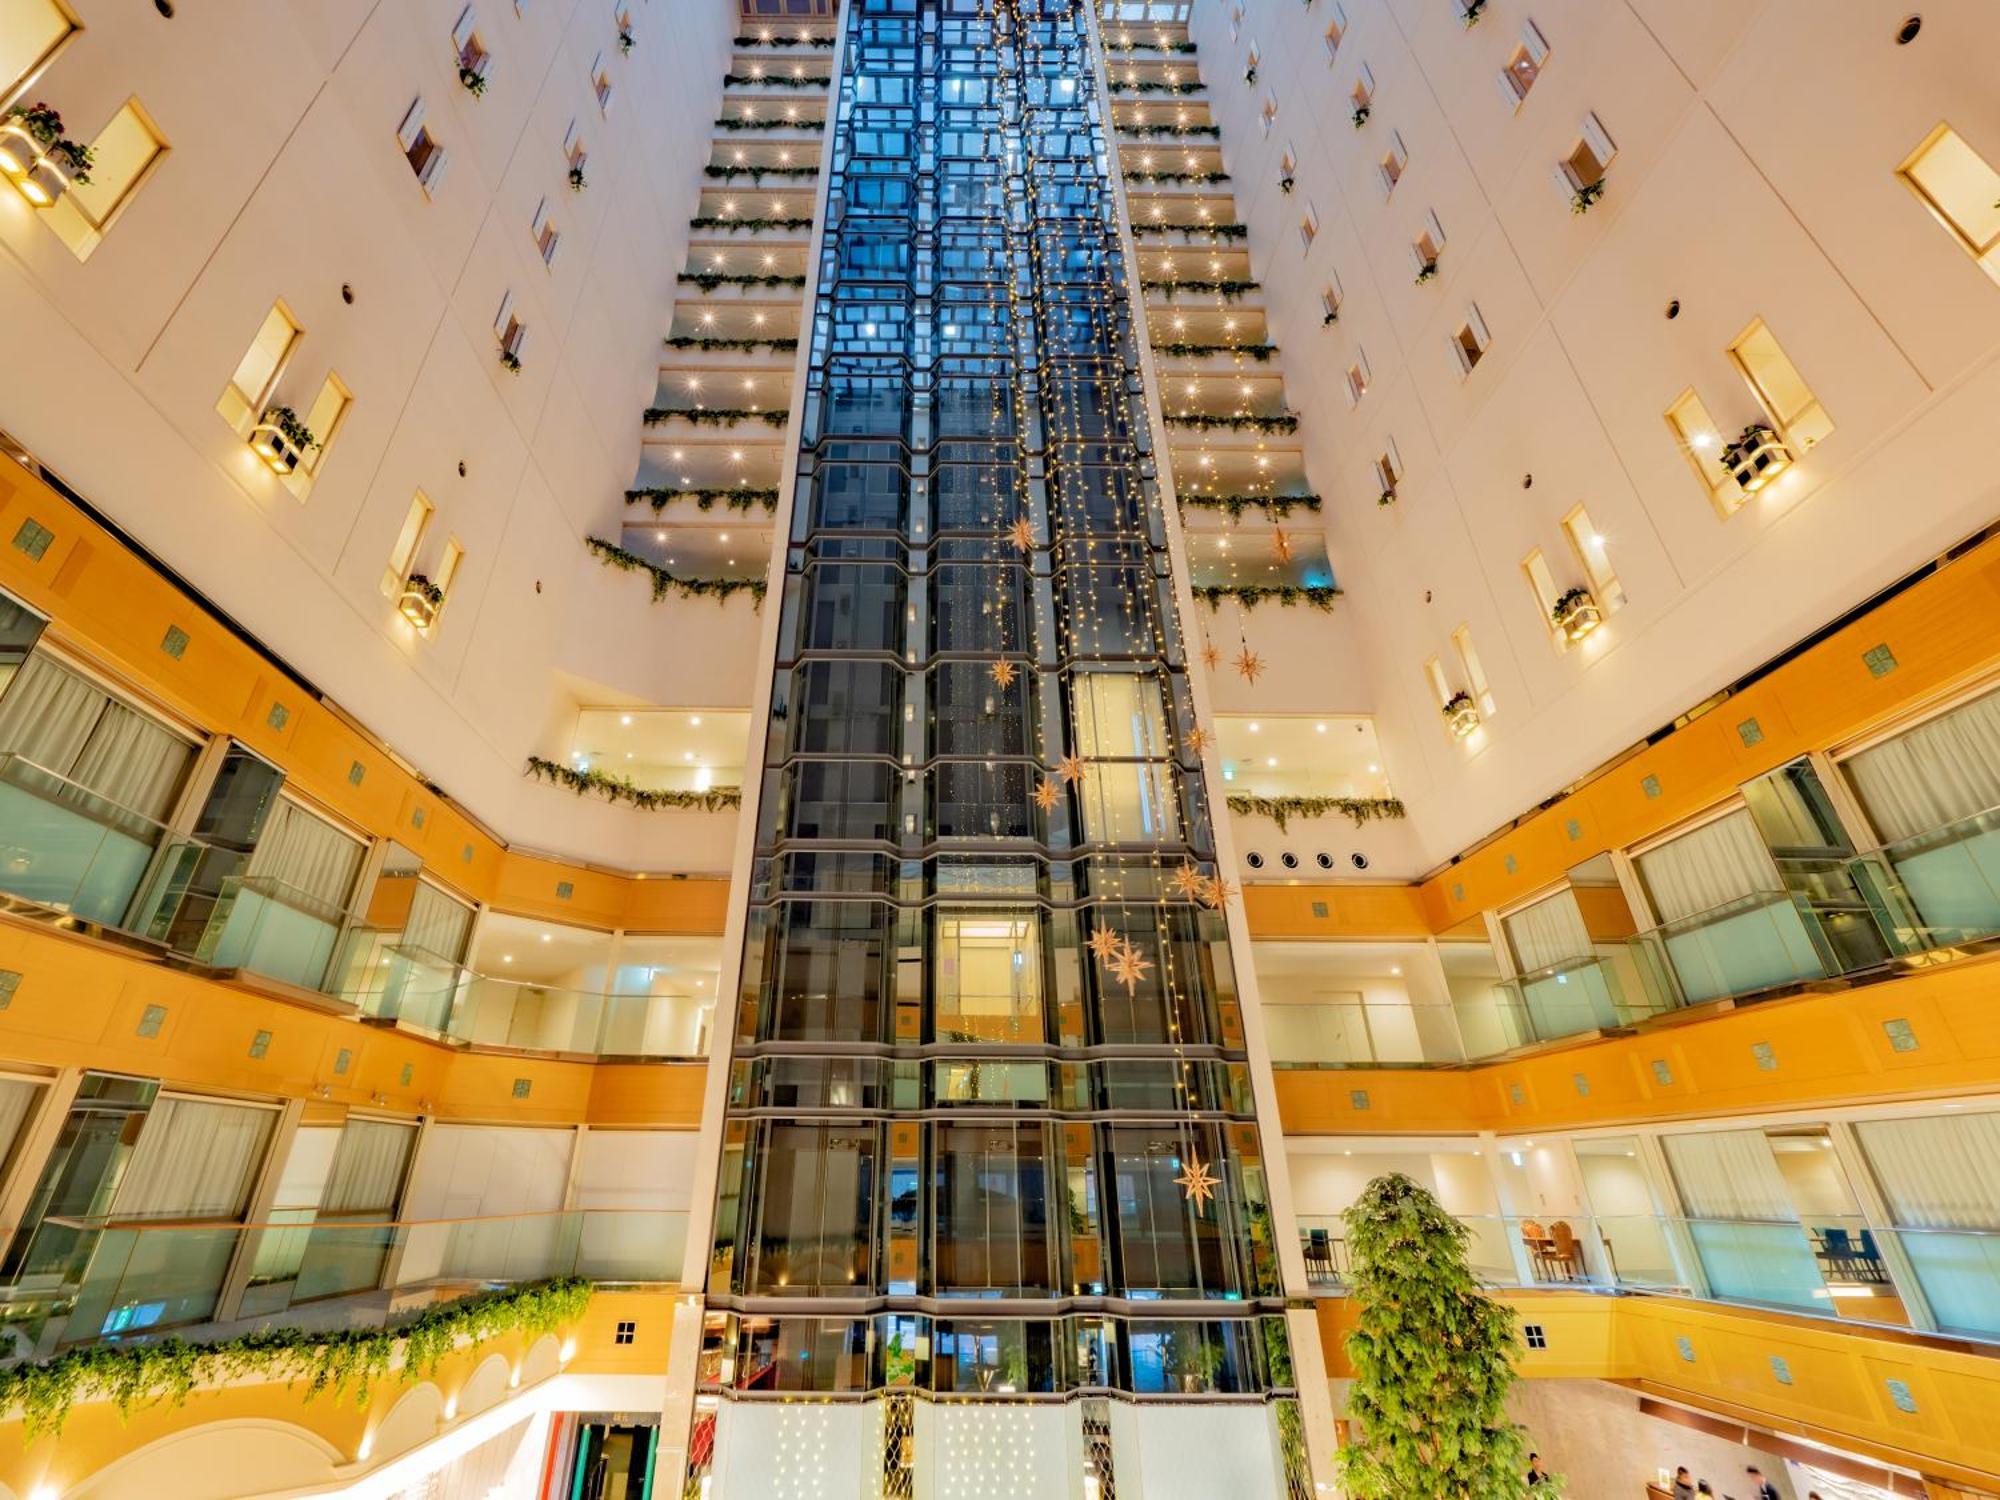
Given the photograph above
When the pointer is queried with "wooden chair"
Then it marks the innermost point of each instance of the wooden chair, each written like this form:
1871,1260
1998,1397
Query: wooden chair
1566,1251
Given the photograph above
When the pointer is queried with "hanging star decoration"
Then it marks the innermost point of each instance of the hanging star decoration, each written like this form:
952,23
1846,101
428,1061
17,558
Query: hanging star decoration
1128,967
1281,544
1210,657
1071,768
1022,534
1215,891
1196,1182
1188,881
1004,673
1249,665
1198,740
1047,794
1104,944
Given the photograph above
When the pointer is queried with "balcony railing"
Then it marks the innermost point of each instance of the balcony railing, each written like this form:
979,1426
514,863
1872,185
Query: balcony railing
1938,889
92,1279
1762,941
69,849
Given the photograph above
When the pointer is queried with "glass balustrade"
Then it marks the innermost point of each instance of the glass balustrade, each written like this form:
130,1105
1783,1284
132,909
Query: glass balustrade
1639,1252
1958,1271
1762,941
120,1279
64,847
1347,1032
264,926
1573,996
1937,889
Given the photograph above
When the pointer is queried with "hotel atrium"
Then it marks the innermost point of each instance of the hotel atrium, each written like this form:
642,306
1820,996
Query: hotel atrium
982,749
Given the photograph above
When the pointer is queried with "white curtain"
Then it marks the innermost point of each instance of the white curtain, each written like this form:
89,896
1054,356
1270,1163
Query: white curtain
368,1168
1937,773
67,724
1729,1174
437,923
1941,1172
1719,862
196,1159
1547,932
304,851
17,1097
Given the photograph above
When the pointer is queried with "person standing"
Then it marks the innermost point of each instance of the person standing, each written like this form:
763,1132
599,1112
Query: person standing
1761,1488
1683,1484
1537,1475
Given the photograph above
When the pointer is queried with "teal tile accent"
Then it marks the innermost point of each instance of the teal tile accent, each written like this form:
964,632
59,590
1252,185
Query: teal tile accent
356,774
1319,909
152,1019
417,816
342,1061
1750,732
522,1086
1357,1098
1902,1037
409,1072
1582,1085
1516,1093
465,855
1780,1370
174,642
1879,660
1662,1074
279,716
565,889
1512,864
1650,786
10,981
1457,890
1574,829
1686,1347
1900,1393
33,538
1767,1057
260,1044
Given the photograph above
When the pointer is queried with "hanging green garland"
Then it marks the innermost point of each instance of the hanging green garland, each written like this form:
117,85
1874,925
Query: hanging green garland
339,1362
746,81
1229,291
708,281
1196,420
1259,352
743,500
1281,810
618,789
770,124
1213,231
1187,47
721,416
784,41
1250,595
1155,86
776,346
1187,176
1212,131
735,226
664,583
730,174
1236,505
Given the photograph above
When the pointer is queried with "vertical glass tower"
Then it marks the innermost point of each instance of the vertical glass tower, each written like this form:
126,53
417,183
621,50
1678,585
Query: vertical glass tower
992,1216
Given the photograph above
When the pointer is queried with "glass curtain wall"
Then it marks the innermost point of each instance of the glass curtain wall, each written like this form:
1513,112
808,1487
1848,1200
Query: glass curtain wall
990,1131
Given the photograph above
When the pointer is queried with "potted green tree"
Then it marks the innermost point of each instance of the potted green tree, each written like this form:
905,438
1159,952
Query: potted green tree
282,439
1433,1360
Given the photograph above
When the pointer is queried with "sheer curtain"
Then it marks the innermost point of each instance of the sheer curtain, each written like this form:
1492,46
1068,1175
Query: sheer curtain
17,1097
1717,863
1729,1174
368,1168
1548,932
437,923
67,724
196,1159
1937,773
1941,1172
304,851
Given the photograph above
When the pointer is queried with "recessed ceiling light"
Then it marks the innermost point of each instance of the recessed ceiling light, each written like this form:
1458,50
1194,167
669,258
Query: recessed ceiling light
695,719
625,719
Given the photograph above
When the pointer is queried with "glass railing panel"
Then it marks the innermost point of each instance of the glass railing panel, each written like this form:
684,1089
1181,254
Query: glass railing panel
1341,1033
492,1012
1490,1018
1959,1273
1854,1269
1766,1262
141,1279
1638,1252
631,1244
1577,995
1489,1249
63,846
1759,942
1940,888
267,927
655,1026
1323,1242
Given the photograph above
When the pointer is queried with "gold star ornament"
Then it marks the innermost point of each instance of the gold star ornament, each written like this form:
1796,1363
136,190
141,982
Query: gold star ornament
1188,881
1104,944
1198,740
1128,967
1210,657
1249,665
1214,892
1281,544
1047,794
1196,1182
1022,534
1072,769
1004,673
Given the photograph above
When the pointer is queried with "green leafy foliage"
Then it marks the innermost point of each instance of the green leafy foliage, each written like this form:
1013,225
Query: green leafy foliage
1236,505
747,226
720,416
1250,595
340,1362
708,281
660,498
1229,291
1284,423
1213,231
731,173
1211,132
748,346
748,81
1281,810
664,583
770,124
1183,176
1433,1360
619,789
1259,352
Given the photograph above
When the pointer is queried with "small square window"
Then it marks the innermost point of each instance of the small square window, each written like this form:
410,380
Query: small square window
1329,301
1357,382
1962,191
33,539
1363,93
600,84
627,1332
1580,174
1470,343
426,157
1427,247
1336,28
1534,1335
1388,474
1308,227
1393,161
547,237
1524,65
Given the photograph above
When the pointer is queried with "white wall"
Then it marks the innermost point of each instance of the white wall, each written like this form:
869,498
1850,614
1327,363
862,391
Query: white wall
1755,178
284,180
